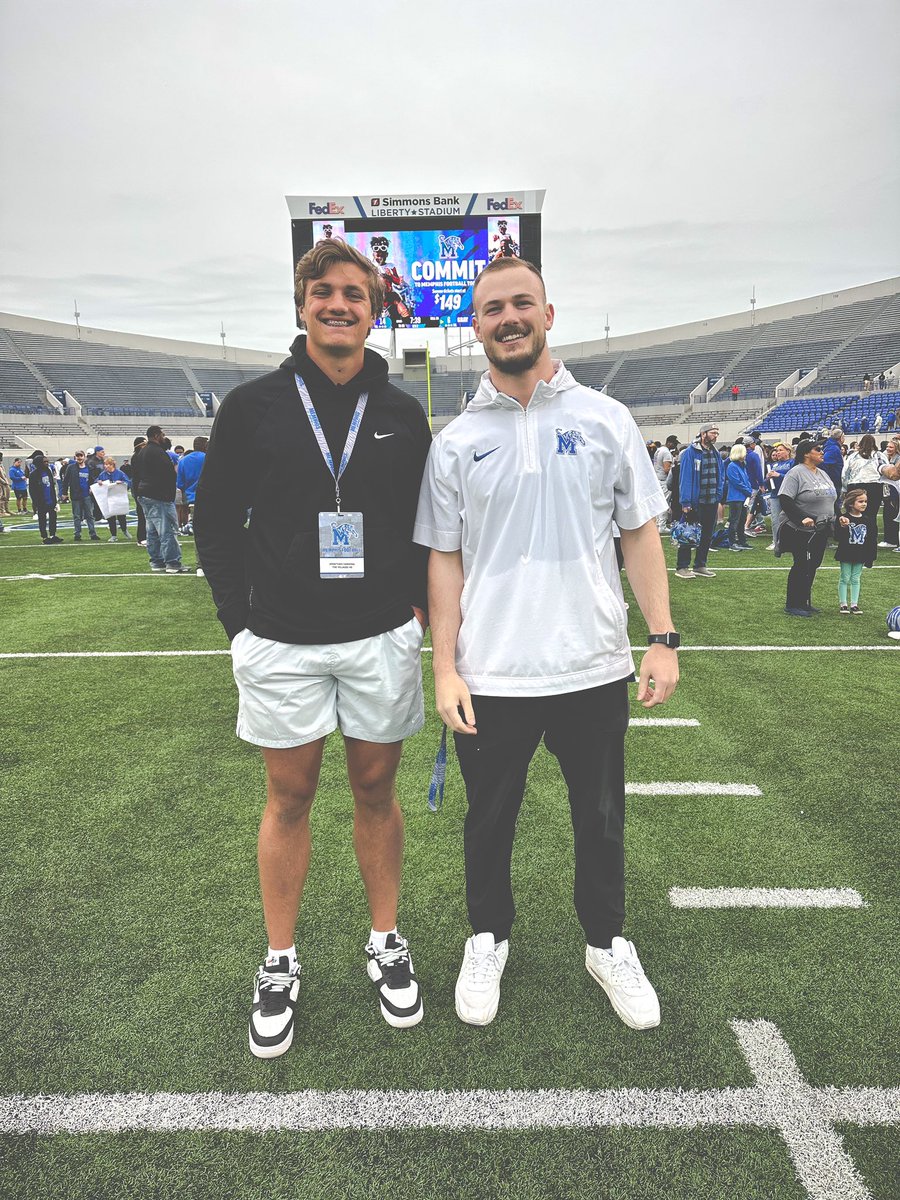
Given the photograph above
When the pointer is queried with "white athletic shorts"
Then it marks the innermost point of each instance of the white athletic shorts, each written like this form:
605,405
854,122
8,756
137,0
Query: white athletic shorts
290,695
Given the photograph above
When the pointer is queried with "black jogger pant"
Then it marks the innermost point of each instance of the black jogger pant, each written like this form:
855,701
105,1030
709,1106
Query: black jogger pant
808,550
586,732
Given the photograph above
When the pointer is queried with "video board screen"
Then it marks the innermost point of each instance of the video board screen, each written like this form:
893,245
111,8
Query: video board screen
428,273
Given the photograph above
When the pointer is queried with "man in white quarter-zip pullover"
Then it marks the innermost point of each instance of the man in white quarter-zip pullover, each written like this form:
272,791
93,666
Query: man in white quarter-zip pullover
529,626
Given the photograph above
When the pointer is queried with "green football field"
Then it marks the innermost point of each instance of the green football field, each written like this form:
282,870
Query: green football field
762,858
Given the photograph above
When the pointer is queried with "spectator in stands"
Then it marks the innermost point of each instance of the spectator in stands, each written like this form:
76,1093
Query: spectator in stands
737,482
663,461
891,497
867,469
18,481
42,489
76,485
111,474
128,468
153,475
187,477
701,487
882,382
867,382
807,498
5,490
735,392
780,465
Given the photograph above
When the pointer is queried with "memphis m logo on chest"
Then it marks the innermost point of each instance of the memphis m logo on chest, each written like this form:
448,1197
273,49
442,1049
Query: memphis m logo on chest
341,535
568,441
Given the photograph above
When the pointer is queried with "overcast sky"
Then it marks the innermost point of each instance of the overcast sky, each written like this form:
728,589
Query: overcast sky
690,148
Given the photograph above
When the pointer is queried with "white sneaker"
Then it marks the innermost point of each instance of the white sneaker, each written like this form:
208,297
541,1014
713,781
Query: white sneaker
391,971
478,985
274,1000
684,573
620,974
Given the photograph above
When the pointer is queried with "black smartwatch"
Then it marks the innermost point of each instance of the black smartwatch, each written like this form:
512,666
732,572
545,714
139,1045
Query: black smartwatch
672,640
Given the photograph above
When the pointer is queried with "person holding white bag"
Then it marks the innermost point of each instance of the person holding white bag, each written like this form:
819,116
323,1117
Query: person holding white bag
116,504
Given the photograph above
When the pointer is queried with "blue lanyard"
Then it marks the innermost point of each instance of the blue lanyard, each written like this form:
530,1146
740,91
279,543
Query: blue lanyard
320,436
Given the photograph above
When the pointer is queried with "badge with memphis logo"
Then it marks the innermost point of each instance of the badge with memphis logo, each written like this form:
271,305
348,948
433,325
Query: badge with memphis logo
341,545
568,441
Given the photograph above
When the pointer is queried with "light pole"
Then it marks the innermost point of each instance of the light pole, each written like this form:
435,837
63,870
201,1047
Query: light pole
77,315
606,331
222,336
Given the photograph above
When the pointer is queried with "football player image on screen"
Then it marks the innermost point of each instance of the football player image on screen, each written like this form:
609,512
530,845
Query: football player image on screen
503,243
397,300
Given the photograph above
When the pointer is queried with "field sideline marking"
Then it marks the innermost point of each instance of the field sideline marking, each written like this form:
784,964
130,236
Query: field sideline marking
780,1099
425,650
722,897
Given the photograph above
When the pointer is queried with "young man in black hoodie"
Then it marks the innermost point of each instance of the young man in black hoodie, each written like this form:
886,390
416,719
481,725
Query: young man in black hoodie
322,594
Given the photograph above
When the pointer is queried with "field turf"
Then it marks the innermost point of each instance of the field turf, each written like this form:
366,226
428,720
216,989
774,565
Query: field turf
131,923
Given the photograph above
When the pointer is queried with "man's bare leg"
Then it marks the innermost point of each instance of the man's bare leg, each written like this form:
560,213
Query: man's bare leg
284,841
377,824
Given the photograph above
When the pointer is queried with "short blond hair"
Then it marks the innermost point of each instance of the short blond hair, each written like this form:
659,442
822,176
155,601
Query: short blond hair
327,254
738,452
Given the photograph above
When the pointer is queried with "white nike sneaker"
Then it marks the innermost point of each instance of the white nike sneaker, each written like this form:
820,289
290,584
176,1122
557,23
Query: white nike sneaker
478,985
620,974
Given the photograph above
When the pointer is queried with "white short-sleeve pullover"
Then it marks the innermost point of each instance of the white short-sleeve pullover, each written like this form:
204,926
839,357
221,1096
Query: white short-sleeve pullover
529,495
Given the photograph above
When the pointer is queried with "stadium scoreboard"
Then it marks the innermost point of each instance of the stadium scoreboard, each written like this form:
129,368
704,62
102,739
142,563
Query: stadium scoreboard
429,248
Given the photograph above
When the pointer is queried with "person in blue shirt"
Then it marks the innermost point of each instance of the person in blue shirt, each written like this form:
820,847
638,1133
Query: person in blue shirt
739,492
18,481
782,461
187,478
42,489
111,474
76,485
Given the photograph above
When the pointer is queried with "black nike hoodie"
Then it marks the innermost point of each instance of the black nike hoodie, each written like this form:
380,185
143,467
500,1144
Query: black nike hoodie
263,457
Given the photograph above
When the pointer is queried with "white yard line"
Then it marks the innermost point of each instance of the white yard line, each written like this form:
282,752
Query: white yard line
723,897
668,722
189,574
780,1099
720,570
691,788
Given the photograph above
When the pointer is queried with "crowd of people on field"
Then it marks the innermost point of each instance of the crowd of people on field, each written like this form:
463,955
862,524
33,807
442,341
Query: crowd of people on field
816,489
45,484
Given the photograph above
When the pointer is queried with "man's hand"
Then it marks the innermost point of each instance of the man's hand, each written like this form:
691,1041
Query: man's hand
658,675
808,522
420,617
686,508
451,695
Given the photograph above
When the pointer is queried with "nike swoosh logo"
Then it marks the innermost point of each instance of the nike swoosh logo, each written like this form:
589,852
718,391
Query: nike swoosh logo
383,435
478,457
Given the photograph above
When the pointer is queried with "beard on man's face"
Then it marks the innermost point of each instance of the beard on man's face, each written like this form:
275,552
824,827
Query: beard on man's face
522,361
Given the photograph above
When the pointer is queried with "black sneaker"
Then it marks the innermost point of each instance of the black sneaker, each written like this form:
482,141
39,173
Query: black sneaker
391,971
274,1001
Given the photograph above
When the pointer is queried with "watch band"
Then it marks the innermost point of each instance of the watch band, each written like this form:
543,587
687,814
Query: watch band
672,640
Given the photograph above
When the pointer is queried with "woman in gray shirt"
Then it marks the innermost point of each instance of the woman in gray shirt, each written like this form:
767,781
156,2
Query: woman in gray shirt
807,498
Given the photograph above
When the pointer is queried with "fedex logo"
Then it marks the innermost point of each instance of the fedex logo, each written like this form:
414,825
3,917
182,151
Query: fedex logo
506,205
327,210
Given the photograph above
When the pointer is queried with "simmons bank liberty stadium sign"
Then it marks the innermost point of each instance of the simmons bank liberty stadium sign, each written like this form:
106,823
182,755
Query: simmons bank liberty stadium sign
410,205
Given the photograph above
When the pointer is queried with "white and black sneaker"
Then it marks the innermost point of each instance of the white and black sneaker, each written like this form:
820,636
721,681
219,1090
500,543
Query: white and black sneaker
274,1002
391,971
